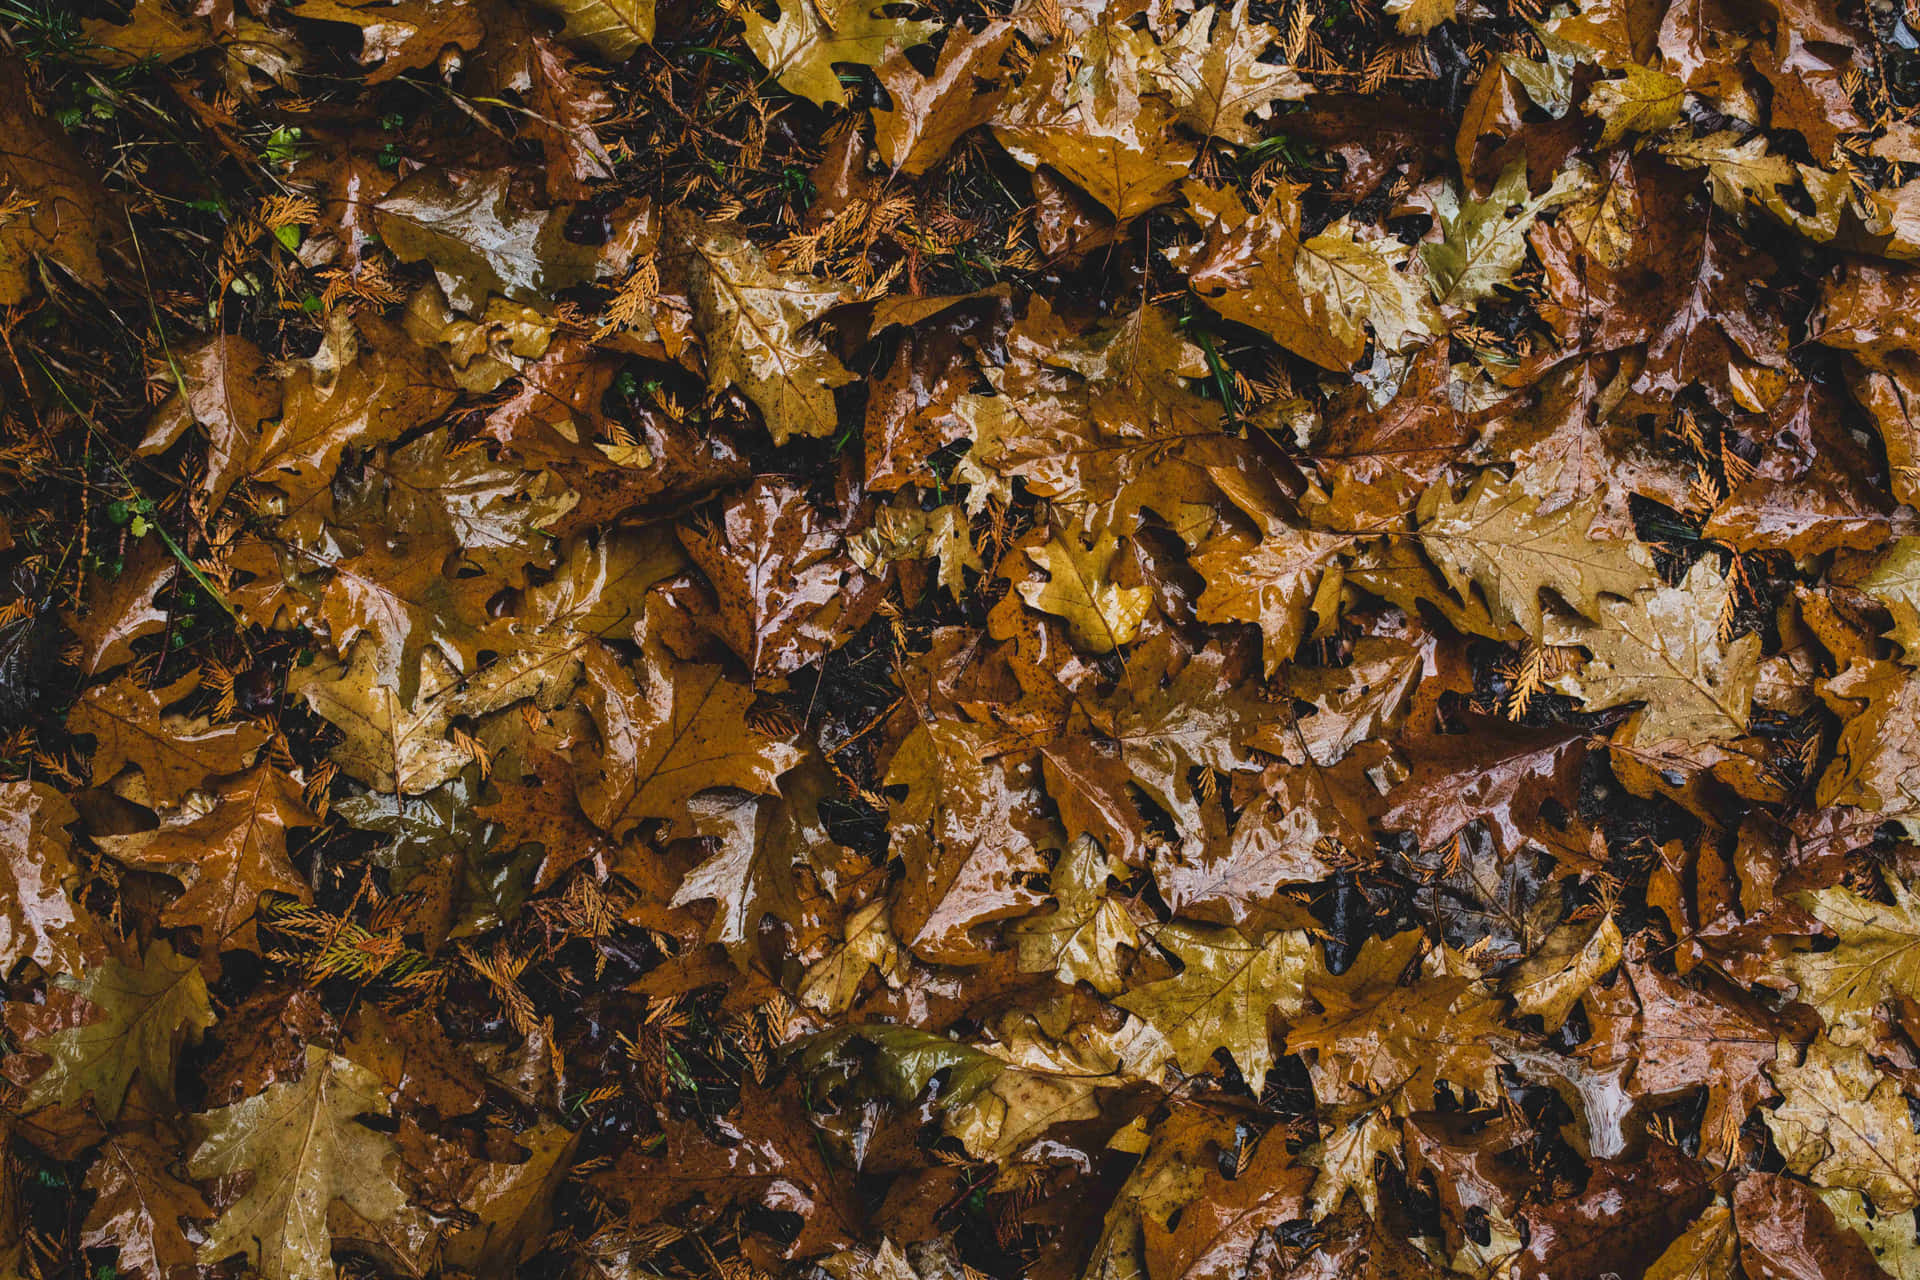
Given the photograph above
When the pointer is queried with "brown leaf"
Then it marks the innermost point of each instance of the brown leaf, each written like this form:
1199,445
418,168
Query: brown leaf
666,732
174,753
140,1207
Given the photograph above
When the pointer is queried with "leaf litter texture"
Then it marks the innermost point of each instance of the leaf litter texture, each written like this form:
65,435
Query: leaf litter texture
906,641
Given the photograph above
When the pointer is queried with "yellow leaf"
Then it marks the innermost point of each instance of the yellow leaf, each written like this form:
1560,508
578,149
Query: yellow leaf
799,49
1100,615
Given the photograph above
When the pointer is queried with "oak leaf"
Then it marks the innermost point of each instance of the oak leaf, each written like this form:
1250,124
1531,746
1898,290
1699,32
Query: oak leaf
1212,73
400,38
1228,1221
615,28
390,743
174,753
68,220
754,316
1497,537
230,392
800,48
1100,614
1377,1037
1081,938
1485,241
1417,17
1574,957
38,919
139,1206
930,113
1663,648
1843,1124
1895,582
1874,766
1704,1251
144,1015
117,611
1222,995
787,590
666,732
1313,296
1081,112
1641,101
1274,582
480,240
1878,956
970,831
306,1150
759,842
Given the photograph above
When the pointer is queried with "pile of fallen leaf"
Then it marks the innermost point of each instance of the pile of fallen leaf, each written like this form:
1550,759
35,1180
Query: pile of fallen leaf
923,641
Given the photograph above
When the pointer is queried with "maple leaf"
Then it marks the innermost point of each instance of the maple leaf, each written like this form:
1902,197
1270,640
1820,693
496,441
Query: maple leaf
1100,615
1878,956
144,1014
1497,537
667,732
306,1150
615,28
931,113
1664,648
1212,73
1221,997
800,48
752,316
175,754
1080,939
1843,1124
